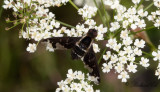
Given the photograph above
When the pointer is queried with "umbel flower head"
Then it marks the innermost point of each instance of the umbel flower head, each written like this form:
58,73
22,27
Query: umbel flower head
76,81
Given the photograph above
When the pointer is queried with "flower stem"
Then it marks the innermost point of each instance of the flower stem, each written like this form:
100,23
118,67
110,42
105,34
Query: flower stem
118,31
1,9
147,54
105,13
140,4
65,24
149,6
99,12
102,55
70,1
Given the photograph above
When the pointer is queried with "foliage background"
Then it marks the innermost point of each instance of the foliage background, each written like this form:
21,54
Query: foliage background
21,71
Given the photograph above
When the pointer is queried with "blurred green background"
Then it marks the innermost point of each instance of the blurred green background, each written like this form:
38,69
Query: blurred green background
21,71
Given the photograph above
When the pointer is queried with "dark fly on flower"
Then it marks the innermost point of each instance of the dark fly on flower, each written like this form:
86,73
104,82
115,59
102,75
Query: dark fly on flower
81,48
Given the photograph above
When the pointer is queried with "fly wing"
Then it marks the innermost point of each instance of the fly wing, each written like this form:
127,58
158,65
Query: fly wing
91,63
65,42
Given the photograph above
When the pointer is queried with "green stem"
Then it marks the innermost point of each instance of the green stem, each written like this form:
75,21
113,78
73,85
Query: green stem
119,30
99,12
149,6
102,56
139,4
105,13
147,54
22,27
70,1
14,26
1,9
65,24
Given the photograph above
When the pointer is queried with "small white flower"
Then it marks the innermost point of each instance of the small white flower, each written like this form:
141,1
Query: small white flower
144,62
137,52
80,75
119,67
118,17
66,88
90,22
7,4
49,47
99,36
114,59
31,47
101,29
111,43
136,1
107,55
157,23
141,23
157,73
57,33
132,68
127,41
142,13
156,55
125,23
117,47
96,48
157,3
131,57
139,43
71,74
133,26
114,26
106,67
124,76
123,59
92,78
124,34
128,49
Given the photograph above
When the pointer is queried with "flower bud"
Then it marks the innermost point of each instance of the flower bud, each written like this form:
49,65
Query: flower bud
7,19
6,28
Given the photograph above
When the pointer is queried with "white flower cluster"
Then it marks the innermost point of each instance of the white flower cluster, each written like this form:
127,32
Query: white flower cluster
41,24
124,58
157,3
155,16
156,55
36,16
76,82
19,3
127,17
87,11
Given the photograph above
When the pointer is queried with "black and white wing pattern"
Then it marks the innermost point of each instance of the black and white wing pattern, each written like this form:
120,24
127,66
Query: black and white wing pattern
81,48
90,62
66,42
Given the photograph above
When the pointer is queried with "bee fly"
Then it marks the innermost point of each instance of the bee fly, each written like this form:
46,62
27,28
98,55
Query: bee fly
81,48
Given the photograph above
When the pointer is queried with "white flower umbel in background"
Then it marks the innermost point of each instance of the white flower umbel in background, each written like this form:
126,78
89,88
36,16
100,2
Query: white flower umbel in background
124,58
87,11
155,16
76,82
156,55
